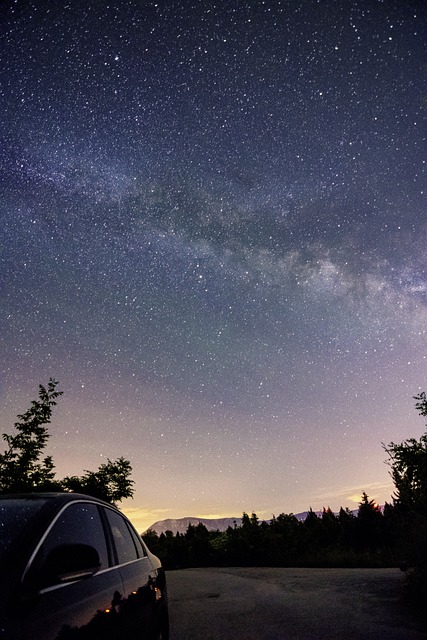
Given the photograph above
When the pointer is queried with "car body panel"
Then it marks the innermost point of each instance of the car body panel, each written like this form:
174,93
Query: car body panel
68,610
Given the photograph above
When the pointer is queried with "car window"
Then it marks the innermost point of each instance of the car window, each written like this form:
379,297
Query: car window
138,543
79,523
123,539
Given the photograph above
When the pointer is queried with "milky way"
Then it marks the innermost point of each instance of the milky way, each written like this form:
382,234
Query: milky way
214,234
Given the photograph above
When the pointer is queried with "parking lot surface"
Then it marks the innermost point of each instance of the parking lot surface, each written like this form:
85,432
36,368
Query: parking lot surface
290,604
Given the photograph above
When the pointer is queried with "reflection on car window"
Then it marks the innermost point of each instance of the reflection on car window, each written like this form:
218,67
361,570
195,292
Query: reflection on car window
15,515
138,543
123,540
79,523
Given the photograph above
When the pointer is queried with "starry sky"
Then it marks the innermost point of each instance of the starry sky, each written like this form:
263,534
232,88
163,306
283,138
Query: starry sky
214,235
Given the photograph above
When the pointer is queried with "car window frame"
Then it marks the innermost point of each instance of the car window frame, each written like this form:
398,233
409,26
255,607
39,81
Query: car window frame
107,536
137,539
141,551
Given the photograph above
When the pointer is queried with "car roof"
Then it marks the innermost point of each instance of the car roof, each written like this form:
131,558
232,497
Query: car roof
57,497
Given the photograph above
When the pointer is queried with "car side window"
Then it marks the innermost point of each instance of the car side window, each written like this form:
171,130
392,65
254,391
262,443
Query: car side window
138,543
79,523
123,539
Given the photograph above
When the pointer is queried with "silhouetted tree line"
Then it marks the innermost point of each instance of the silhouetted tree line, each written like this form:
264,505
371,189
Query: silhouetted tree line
368,538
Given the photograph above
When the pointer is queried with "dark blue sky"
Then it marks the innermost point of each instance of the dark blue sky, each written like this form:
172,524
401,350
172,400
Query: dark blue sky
214,236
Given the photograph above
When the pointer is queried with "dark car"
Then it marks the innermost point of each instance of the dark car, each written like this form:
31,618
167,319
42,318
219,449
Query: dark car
72,566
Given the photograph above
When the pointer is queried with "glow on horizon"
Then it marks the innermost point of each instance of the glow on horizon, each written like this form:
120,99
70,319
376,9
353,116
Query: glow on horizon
144,518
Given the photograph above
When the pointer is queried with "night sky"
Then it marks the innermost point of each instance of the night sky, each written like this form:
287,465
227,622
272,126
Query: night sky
214,235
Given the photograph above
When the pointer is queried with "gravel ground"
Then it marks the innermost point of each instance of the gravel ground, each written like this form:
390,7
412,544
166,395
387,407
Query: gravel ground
281,604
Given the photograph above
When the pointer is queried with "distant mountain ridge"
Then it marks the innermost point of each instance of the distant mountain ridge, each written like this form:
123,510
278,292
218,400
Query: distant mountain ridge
180,525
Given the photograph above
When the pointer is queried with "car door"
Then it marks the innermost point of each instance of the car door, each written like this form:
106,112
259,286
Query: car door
84,607
141,596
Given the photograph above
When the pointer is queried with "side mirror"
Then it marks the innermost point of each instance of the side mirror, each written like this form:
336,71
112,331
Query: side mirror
69,562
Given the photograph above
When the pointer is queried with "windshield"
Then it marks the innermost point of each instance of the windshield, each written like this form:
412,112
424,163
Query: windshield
15,515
